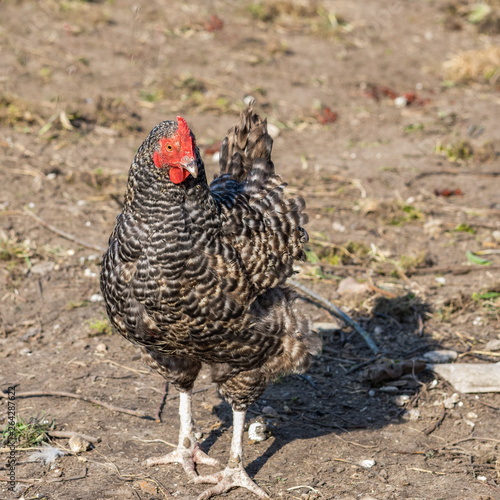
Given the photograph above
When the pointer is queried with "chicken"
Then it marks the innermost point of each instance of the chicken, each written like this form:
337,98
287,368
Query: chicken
196,274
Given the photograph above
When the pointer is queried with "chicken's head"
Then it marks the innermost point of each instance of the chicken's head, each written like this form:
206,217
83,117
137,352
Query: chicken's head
177,153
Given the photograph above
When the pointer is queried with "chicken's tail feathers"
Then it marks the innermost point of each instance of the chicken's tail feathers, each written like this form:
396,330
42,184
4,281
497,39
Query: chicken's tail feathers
247,147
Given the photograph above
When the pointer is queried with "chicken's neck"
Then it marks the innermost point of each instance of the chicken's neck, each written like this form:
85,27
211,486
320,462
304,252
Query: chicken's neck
150,191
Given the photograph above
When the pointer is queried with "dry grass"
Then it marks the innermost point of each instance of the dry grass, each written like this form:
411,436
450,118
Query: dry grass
475,66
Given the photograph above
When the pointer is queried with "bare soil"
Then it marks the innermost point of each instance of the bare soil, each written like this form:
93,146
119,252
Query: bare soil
387,129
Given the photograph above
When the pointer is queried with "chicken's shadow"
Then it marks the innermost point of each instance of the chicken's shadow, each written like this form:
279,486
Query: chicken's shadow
335,395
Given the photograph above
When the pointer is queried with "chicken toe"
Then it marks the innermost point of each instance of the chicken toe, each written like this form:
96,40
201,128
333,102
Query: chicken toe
230,477
187,457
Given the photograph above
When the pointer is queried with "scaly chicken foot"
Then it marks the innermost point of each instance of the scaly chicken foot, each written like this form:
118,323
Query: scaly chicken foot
188,452
234,474
230,477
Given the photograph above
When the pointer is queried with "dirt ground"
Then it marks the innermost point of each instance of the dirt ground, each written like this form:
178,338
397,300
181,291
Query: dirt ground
385,117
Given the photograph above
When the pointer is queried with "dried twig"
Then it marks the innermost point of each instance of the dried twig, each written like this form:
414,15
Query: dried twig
155,441
449,269
196,391
162,402
427,471
333,309
31,394
69,434
436,424
62,233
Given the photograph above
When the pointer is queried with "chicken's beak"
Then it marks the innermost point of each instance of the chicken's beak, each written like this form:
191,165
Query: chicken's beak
190,166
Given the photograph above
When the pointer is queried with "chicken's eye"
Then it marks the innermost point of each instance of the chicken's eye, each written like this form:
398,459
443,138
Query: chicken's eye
169,148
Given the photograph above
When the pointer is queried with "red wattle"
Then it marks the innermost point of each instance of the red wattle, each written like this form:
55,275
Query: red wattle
178,174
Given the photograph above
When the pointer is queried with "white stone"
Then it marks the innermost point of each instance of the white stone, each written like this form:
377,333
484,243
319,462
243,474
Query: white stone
440,356
401,101
77,444
368,464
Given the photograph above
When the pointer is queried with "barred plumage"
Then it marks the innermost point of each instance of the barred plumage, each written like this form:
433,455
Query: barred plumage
197,274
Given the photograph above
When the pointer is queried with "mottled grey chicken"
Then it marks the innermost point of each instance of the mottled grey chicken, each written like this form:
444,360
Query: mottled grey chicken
197,274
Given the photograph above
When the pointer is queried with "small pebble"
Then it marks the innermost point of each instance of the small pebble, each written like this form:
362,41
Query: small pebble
269,410
100,349
450,402
492,345
413,414
338,227
43,268
471,414
400,102
401,400
97,297
433,384
368,464
77,444
388,388
440,356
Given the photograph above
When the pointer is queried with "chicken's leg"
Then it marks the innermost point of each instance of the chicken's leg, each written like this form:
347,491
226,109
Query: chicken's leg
188,451
234,474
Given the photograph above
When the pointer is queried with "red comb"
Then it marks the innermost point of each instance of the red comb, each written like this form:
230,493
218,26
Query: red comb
182,127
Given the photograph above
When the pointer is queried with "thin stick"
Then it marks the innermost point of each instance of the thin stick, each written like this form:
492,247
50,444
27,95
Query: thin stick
154,441
436,424
449,269
333,309
70,434
162,402
62,233
427,471
135,413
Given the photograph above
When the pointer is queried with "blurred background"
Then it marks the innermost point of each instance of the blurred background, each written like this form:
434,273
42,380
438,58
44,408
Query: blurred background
385,117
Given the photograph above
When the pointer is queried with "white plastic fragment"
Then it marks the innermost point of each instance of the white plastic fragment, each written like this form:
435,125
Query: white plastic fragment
470,377
257,431
97,297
